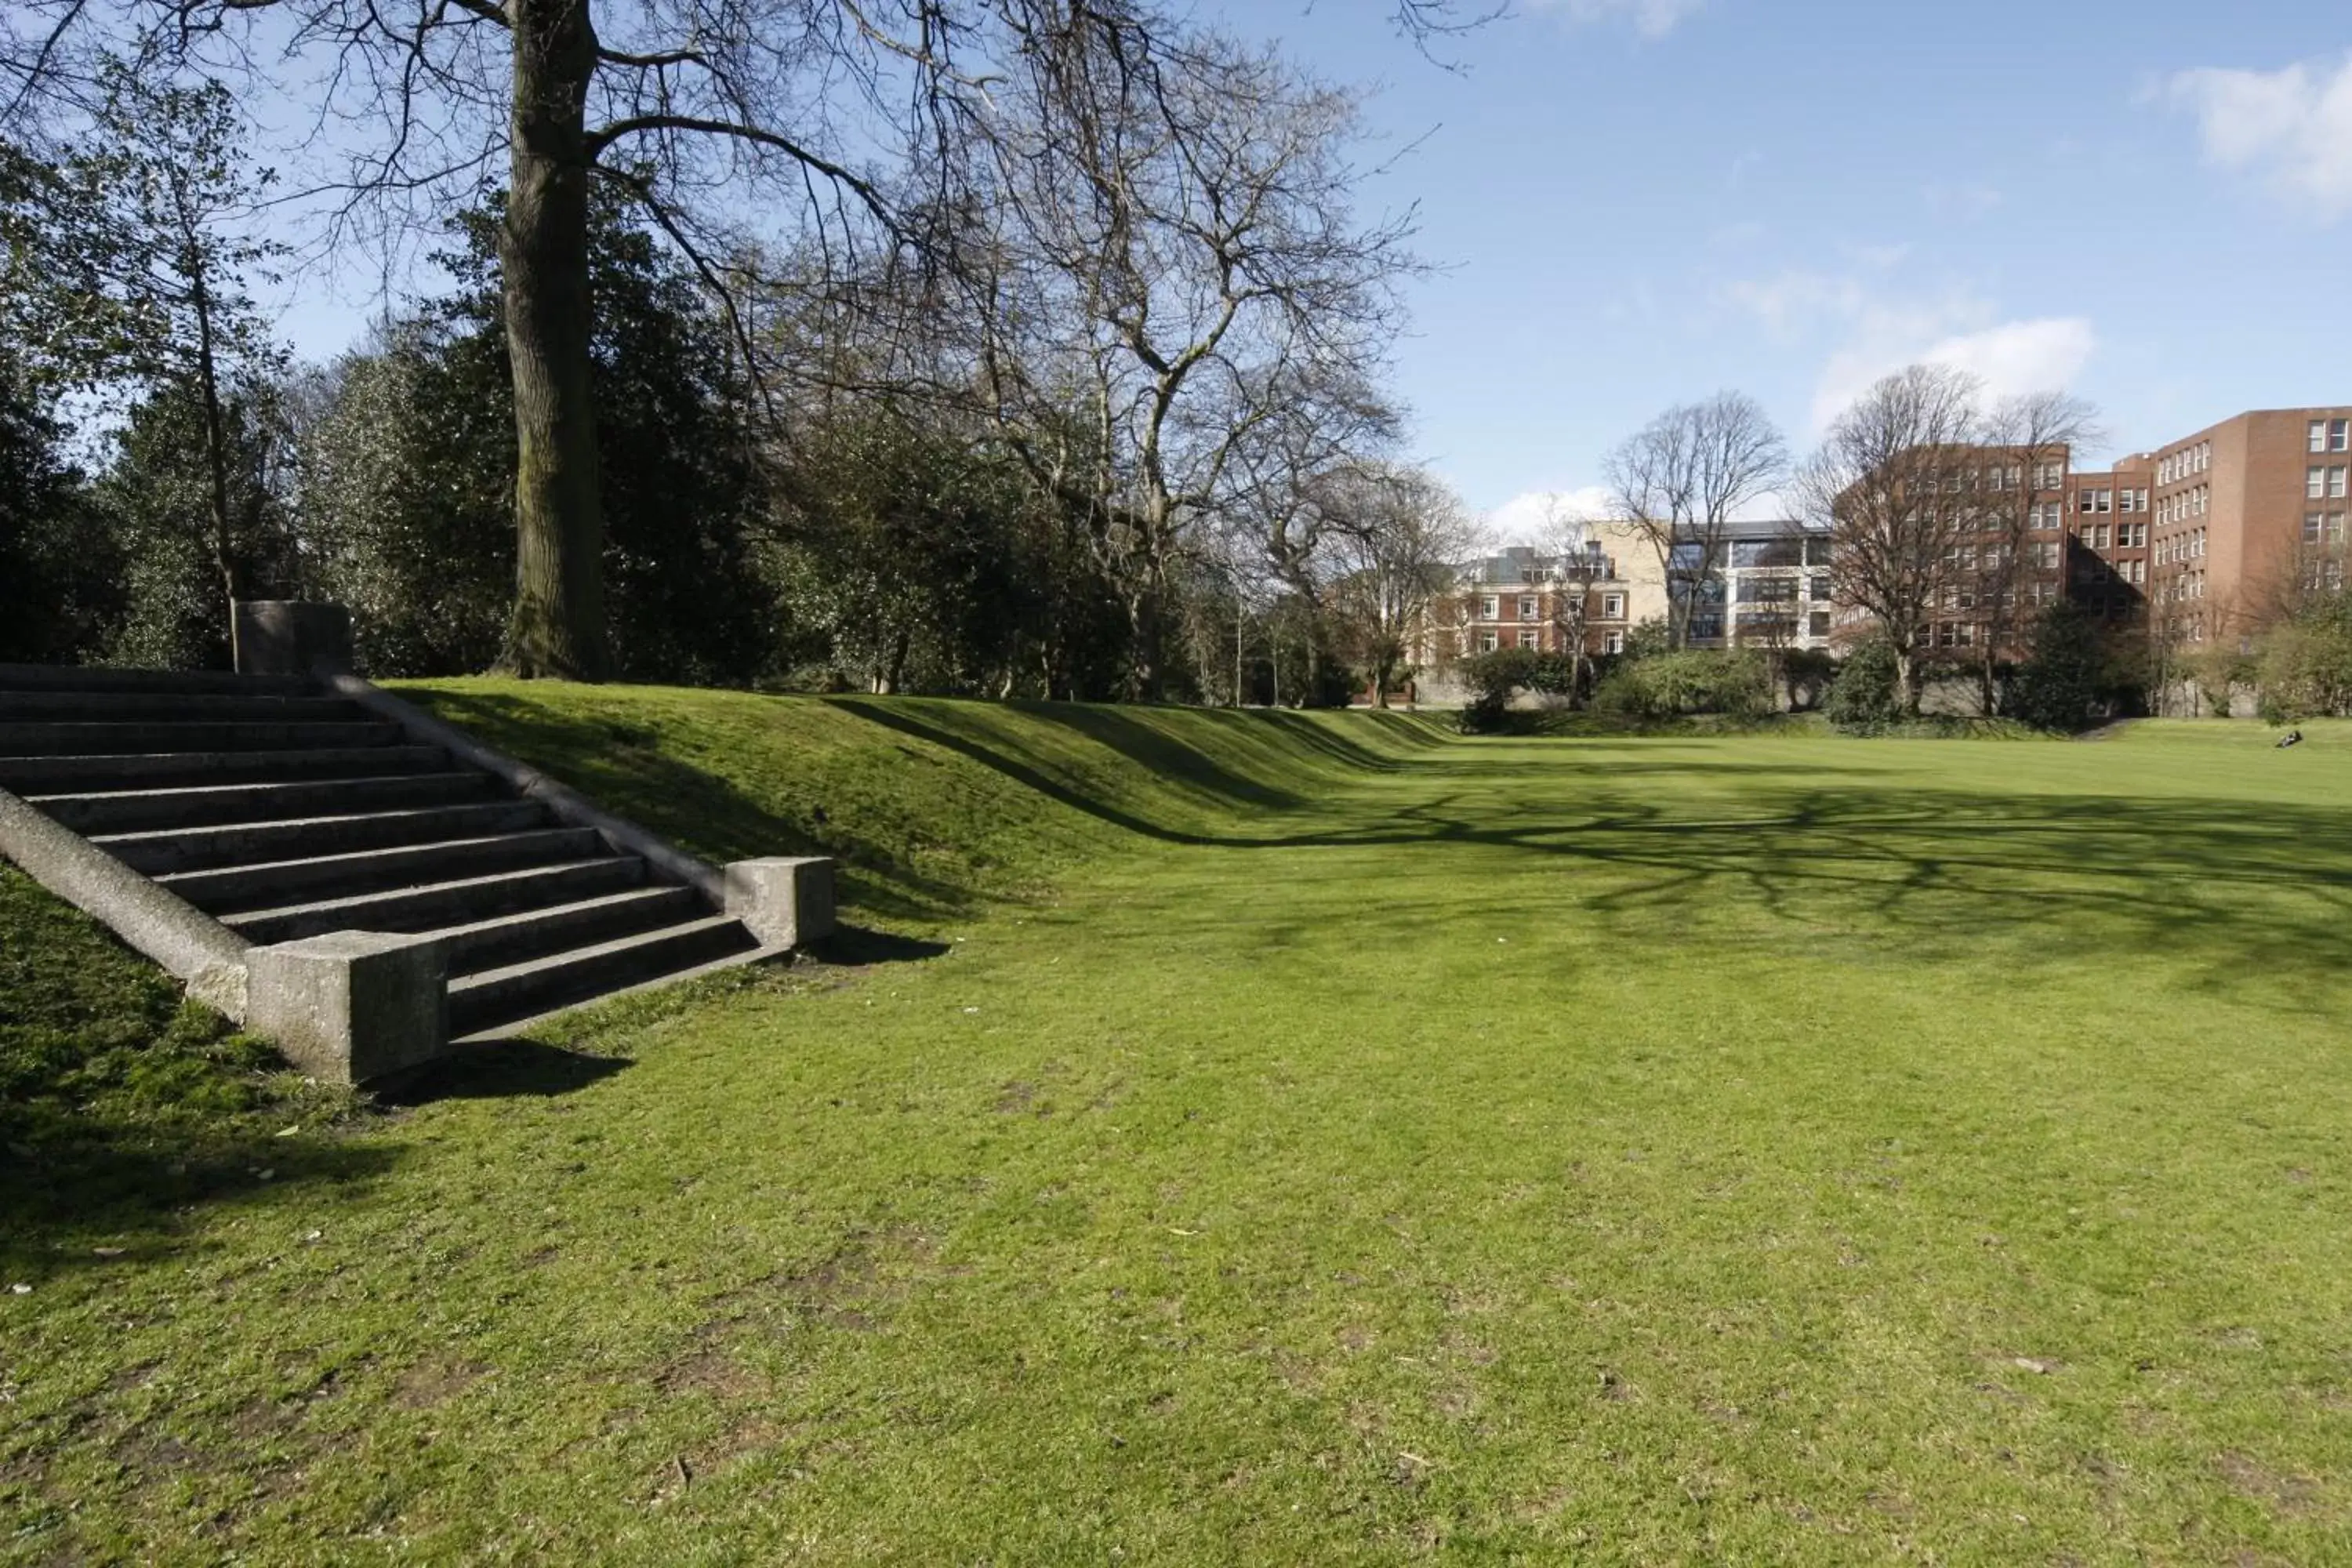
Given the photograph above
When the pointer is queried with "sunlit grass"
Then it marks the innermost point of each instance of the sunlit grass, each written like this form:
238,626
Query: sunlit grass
1319,1139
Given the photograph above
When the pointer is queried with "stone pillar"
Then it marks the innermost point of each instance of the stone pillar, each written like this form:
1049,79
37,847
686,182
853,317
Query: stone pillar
786,900
292,637
350,1006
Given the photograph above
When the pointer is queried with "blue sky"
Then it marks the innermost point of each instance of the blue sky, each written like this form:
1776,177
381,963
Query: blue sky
1638,202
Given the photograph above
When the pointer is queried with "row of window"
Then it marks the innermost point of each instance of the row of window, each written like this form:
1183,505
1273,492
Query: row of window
1490,608
2324,483
2046,516
2096,502
2187,461
2323,528
2182,504
2331,435
2325,575
2188,546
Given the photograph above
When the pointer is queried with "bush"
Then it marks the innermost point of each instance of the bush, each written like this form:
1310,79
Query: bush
2305,664
1865,699
2062,685
1672,685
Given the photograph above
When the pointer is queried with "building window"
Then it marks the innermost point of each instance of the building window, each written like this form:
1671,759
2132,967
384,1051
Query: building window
2318,435
1612,642
1817,624
1530,639
2095,501
2339,434
1817,590
2049,476
1528,610
1488,642
2336,482
1613,606
1488,608
2131,535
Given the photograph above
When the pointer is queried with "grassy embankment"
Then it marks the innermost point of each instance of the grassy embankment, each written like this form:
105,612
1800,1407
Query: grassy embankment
1293,1139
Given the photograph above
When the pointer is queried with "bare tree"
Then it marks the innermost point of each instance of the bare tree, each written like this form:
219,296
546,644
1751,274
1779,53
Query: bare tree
2029,438
1579,563
1174,259
1683,478
848,118
1891,482
1396,535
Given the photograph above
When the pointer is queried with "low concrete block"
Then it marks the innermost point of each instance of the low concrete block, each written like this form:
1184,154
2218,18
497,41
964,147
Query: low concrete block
292,637
350,1006
785,901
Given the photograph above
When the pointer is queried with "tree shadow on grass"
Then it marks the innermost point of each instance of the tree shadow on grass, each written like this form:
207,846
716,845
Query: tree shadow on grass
65,1192
2237,901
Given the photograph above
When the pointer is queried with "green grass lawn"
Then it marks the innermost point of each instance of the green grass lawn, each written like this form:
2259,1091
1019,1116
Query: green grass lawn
1286,1139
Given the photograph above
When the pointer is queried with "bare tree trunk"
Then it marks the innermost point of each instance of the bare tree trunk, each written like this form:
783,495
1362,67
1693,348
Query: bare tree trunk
559,615
215,451
1906,681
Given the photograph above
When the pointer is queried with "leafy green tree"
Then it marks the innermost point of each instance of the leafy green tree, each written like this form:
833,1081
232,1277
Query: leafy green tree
179,455
61,566
409,477
1865,697
130,278
2061,686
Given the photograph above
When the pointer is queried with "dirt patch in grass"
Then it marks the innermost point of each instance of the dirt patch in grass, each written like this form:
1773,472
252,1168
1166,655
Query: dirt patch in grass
435,1380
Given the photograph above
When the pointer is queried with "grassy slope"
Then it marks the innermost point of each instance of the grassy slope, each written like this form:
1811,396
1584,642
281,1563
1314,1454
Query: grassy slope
1747,1149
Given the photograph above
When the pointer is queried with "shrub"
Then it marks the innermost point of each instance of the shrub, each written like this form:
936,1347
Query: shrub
1672,685
1864,699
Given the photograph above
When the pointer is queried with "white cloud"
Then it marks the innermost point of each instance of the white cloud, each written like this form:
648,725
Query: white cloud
1650,19
1528,517
1873,328
2009,357
2292,127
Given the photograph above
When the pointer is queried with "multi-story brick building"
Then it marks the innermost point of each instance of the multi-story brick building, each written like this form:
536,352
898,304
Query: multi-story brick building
2247,515
2207,537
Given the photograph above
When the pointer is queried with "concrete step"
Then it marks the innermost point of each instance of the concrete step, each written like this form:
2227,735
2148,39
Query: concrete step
128,771
248,843
23,738
530,934
495,996
70,678
131,707
513,1028
230,889
143,810
436,906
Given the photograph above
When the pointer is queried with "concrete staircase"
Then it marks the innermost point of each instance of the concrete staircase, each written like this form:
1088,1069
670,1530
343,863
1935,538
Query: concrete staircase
268,813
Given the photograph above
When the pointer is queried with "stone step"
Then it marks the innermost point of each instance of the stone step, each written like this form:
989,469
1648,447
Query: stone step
137,811
511,937
436,906
72,678
229,889
513,1028
496,997
131,707
169,770
22,739
248,843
